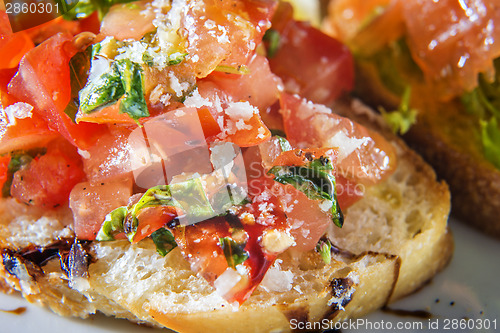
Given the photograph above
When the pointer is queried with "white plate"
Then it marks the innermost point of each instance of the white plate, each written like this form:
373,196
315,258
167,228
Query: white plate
468,289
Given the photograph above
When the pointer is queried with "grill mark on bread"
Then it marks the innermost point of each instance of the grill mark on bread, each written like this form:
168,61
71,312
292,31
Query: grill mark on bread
397,270
341,288
28,262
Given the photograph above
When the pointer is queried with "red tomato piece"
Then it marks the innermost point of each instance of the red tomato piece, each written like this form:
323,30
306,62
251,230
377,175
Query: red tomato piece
246,133
43,80
128,22
91,202
452,41
13,46
348,191
153,218
311,63
109,159
260,87
201,246
25,134
225,32
48,180
4,167
299,157
363,155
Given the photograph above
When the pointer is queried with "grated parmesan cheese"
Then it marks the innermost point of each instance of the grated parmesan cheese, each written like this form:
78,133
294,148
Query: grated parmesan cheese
241,110
15,111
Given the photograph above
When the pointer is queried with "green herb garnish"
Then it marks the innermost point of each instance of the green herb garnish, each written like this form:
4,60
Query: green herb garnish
324,247
484,103
85,8
315,181
164,241
188,197
233,251
103,90
490,136
272,38
241,69
404,117
133,102
79,66
122,80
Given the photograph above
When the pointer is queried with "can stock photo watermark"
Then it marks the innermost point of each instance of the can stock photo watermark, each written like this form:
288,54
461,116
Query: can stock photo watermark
27,14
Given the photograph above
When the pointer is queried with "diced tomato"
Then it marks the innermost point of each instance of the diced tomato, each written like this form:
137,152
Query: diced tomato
109,159
348,191
225,32
208,123
311,63
4,167
201,245
257,133
452,41
105,115
91,202
153,218
252,132
260,87
308,221
13,46
48,180
299,157
306,217
365,15
43,80
363,155
25,134
5,76
124,21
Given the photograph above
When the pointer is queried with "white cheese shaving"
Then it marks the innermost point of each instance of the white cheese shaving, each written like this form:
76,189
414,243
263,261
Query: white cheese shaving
345,144
15,111
195,100
241,110
277,280
226,281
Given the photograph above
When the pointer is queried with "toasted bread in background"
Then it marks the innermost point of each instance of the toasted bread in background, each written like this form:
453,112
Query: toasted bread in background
444,134
393,241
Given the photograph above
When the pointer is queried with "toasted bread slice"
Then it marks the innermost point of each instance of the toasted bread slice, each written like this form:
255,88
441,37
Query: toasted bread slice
393,241
448,138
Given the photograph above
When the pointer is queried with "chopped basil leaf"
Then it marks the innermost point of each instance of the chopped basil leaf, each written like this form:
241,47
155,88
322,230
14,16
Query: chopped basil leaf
234,252
324,247
277,132
82,9
484,103
490,135
272,38
176,58
133,102
404,117
101,91
187,196
284,144
164,241
314,181
119,80
85,8
79,66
